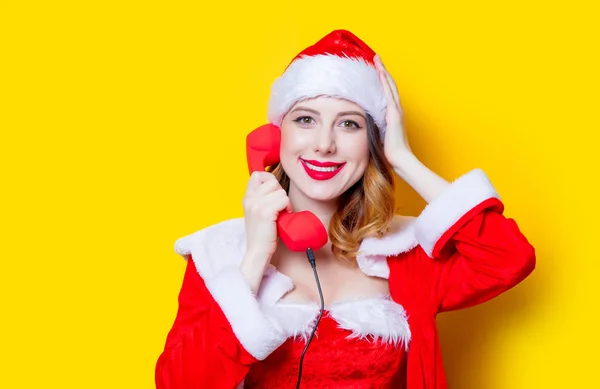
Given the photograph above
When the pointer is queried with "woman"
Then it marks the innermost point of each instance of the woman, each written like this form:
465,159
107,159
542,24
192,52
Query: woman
247,305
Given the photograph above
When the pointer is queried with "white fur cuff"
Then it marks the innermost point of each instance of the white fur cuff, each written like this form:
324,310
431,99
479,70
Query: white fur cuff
254,331
441,214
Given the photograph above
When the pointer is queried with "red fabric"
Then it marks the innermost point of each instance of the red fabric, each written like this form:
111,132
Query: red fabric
332,361
342,43
201,349
483,255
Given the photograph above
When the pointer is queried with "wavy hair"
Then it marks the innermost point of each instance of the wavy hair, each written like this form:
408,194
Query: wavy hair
365,209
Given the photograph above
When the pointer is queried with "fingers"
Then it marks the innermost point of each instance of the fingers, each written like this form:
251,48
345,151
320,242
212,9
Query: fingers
265,192
266,187
267,206
383,78
389,86
277,201
257,179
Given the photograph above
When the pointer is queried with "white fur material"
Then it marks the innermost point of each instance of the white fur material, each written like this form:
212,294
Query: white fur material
373,252
295,320
250,325
273,285
216,252
329,75
223,244
442,213
373,318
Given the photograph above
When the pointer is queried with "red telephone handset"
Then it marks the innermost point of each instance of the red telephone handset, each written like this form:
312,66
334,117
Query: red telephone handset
299,231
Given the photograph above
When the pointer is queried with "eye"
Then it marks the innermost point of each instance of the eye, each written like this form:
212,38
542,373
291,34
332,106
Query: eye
304,120
350,124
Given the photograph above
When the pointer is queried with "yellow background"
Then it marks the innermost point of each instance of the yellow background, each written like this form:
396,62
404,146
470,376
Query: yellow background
122,129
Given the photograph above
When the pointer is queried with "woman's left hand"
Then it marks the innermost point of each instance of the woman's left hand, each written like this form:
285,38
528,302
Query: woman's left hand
395,144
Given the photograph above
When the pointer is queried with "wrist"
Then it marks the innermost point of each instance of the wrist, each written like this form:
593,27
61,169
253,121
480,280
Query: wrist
403,161
253,267
256,257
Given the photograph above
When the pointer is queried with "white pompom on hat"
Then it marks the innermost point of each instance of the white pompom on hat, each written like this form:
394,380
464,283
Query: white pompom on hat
339,65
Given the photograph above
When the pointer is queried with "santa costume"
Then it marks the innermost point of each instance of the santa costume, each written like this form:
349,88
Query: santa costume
459,252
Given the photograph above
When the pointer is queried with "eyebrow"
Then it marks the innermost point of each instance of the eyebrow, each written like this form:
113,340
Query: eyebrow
345,113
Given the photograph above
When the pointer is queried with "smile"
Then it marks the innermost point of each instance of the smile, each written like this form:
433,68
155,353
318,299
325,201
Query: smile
321,170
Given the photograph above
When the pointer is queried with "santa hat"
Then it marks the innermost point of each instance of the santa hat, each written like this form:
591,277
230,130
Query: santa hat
339,65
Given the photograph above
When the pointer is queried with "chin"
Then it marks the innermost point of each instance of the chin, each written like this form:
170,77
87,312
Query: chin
325,197
321,191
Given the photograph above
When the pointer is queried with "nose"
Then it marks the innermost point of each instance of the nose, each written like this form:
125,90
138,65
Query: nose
325,140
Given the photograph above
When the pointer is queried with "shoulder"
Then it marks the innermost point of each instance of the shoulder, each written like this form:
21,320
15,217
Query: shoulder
218,246
399,238
215,247
374,251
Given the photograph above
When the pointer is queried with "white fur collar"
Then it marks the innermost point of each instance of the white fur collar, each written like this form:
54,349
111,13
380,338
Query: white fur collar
373,252
227,240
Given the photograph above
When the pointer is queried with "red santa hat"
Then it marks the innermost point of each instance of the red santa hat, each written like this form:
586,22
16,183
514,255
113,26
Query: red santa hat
339,65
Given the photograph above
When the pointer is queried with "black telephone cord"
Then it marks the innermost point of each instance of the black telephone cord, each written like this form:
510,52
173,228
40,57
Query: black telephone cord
311,258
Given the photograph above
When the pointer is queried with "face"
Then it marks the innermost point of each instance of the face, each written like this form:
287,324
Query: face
324,147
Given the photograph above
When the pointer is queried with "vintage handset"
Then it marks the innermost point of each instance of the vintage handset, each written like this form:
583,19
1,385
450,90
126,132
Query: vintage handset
299,231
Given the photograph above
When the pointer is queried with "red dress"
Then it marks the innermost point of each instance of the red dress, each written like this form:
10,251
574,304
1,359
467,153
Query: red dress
460,251
332,361
337,357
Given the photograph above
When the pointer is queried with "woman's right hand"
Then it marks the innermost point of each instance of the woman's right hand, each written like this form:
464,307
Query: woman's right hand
263,201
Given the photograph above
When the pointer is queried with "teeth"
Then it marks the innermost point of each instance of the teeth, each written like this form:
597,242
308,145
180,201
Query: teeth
321,169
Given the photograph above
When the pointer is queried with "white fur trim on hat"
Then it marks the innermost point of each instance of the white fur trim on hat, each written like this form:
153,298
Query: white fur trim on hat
352,79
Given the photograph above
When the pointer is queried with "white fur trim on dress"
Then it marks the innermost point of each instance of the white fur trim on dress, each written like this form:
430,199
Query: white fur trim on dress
250,325
296,320
273,286
329,75
442,213
216,252
373,252
373,318
215,247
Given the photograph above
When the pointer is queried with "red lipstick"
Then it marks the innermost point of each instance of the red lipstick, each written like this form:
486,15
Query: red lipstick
321,171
